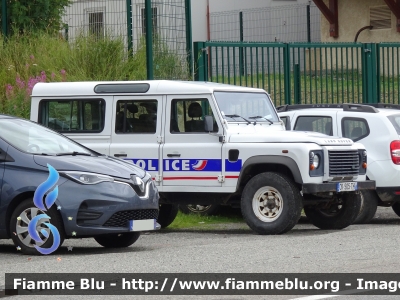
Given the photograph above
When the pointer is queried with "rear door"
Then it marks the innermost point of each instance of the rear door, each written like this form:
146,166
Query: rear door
137,131
191,156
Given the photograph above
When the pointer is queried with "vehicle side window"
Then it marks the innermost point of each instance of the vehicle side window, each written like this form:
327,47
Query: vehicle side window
187,115
321,124
73,115
134,116
355,128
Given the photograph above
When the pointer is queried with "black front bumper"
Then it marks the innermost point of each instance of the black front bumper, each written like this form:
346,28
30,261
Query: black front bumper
314,188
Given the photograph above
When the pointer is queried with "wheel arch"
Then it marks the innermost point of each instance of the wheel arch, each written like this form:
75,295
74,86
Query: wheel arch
264,163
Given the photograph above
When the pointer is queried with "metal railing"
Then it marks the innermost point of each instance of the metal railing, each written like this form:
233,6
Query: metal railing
305,73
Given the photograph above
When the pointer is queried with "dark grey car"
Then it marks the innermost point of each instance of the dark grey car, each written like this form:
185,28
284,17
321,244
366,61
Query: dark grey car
97,196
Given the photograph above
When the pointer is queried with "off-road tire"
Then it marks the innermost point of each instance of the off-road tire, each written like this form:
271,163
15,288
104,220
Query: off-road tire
167,214
369,205
120,240
284,196
335,217
203,210
18,235
396,208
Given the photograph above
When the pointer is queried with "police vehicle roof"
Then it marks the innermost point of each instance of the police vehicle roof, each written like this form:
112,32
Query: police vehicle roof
147,87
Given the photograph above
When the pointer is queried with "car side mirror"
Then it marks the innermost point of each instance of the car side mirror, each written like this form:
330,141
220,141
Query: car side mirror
208,124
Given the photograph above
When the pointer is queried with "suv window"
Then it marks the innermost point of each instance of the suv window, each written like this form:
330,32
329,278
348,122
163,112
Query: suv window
187,115
73,115
395,120
355,128
321,124
136,116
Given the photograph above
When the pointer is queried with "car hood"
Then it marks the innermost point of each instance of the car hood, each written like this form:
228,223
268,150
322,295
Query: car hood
106,165
273,136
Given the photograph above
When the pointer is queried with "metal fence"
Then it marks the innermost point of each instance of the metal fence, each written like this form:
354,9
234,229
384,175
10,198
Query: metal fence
305,72
127,19
288,23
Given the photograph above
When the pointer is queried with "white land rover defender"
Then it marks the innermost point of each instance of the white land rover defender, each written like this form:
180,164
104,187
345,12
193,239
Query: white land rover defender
208,143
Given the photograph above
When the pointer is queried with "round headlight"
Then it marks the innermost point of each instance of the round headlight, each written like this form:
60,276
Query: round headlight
365,153
315,161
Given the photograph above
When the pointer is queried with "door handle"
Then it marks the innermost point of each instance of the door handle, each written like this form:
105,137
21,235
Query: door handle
174,155
120,155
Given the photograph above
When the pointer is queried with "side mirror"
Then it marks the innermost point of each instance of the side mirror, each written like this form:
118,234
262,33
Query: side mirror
208,124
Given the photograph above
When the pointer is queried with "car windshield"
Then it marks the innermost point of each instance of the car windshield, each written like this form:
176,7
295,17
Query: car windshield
236,106
395,120
30,137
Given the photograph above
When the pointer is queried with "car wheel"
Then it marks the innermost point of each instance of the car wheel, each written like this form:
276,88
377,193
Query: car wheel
396,208
336,215
117,240
167,214
21,217
271,203
369,205
203,210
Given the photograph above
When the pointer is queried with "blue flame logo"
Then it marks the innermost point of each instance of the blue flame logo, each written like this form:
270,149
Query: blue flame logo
38,201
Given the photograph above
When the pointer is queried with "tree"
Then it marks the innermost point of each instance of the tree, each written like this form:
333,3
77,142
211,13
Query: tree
35,15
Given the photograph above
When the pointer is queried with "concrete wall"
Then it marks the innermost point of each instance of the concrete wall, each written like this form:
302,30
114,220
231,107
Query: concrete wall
353,15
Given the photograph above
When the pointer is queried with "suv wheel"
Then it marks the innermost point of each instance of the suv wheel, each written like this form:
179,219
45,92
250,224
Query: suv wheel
120,240
396,208
369,205
271,203
203,210
337,215
21,217
167,214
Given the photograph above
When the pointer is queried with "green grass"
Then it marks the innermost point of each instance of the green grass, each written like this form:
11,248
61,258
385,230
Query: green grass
183,221
41,57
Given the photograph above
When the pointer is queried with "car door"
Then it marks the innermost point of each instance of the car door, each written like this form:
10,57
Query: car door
137,130
191,156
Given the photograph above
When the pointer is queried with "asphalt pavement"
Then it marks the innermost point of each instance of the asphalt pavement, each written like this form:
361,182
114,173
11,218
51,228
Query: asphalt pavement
229,248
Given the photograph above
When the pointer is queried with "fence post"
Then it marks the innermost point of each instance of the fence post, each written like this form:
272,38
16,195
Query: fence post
286,74
297,89
370,74
189,50
308,23
241,56
200,61
4,18
129,23
149,39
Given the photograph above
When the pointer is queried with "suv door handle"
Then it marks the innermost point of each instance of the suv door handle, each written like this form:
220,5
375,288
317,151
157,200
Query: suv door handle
120,155
174,155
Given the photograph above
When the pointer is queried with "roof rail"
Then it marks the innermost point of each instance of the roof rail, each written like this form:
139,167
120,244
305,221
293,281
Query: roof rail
385,105
288,107
359,107
370,108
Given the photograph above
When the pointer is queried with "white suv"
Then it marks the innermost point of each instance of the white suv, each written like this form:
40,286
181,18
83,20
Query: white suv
377,126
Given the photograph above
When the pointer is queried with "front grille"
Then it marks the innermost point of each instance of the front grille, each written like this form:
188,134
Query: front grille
121,218
342,163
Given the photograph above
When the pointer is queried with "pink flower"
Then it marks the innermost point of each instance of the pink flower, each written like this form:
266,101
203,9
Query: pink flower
43,76
20,83
53,76
9,91
32,57
63,74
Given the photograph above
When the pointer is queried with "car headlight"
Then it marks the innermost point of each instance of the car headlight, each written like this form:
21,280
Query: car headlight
314,161
87,178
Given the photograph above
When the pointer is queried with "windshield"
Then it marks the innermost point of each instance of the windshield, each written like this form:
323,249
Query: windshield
30,137
236,106
395,120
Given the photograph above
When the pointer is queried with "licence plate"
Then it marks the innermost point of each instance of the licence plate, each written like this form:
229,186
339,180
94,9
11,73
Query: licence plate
346,186
142,225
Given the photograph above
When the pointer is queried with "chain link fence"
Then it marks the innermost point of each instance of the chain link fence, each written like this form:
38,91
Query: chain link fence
126,19
288,23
